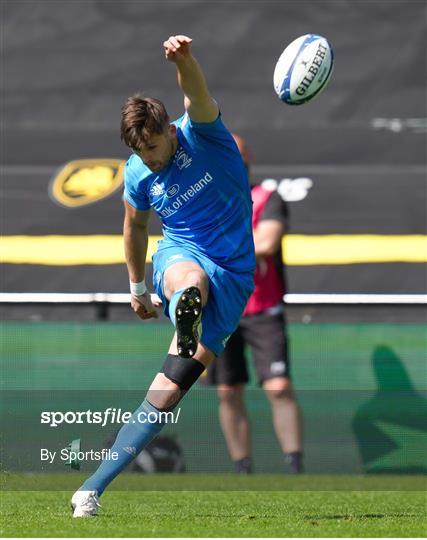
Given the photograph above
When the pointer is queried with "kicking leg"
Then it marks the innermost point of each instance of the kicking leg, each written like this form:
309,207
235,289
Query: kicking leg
184,283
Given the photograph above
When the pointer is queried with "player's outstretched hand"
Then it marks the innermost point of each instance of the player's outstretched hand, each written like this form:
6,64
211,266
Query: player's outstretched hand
145,305
177,48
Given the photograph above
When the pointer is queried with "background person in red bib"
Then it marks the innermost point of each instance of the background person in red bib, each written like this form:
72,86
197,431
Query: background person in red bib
263,328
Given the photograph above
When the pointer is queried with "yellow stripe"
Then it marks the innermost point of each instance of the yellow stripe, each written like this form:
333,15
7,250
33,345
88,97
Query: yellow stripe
58,250
354,248
301,250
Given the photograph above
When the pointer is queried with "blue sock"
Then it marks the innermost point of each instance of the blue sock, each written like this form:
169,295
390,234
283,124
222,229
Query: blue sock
131,439
173,302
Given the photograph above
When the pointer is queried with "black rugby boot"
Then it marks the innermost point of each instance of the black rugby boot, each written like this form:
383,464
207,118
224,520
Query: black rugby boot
188,313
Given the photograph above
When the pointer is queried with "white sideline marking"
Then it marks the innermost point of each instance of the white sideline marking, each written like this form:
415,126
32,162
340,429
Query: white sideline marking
118,298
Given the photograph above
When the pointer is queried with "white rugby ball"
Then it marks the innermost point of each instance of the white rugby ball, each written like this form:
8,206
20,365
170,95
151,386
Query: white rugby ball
303,69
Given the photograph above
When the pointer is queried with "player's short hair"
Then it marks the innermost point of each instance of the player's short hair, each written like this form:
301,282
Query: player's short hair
142,117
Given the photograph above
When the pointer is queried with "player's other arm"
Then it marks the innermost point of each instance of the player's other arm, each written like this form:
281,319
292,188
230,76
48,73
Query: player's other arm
135,235
198,102
271,227
268,237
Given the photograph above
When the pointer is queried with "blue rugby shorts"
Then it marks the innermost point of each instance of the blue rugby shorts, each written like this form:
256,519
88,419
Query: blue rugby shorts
228,293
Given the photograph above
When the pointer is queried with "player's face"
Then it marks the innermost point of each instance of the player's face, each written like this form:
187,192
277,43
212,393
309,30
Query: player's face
158,149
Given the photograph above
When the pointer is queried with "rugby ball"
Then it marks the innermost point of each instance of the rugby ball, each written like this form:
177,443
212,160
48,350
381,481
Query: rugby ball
303,69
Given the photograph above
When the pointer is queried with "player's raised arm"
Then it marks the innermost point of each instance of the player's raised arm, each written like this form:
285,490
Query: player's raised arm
198,102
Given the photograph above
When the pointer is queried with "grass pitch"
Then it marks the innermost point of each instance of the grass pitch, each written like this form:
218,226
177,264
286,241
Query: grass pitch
219,506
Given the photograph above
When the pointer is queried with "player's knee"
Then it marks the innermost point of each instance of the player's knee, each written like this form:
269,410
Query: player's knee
278,388
198,278
183,275
277,395
230,394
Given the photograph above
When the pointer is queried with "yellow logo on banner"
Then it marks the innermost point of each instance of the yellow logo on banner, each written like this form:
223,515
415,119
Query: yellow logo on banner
86,181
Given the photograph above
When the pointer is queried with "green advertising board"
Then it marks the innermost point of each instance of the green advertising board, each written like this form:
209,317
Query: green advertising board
361,388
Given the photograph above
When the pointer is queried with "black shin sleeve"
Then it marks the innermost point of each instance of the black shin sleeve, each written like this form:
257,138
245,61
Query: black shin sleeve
182,371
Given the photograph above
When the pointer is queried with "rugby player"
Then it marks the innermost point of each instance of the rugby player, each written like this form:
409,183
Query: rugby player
191,172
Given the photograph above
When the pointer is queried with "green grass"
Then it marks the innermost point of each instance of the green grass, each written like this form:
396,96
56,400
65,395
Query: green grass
219,506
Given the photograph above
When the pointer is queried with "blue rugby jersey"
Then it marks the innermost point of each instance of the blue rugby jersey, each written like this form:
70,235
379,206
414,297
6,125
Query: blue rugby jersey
202,197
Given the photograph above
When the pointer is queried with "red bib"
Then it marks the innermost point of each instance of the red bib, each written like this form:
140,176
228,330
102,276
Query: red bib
269,284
